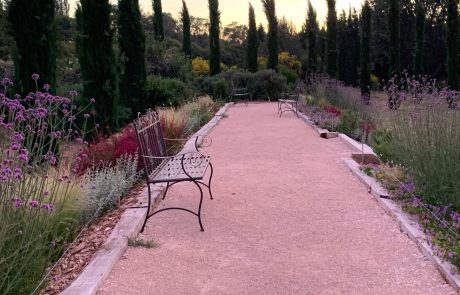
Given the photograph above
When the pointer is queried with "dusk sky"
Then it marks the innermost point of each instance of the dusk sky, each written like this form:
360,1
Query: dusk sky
237,10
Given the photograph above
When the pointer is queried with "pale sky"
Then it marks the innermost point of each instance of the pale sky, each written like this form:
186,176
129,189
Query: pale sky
237,10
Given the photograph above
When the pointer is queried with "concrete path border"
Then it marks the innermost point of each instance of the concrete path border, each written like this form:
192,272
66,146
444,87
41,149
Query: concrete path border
129,226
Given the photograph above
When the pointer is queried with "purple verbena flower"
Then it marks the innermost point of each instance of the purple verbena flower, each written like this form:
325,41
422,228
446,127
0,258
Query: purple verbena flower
34,204
17,203
47,206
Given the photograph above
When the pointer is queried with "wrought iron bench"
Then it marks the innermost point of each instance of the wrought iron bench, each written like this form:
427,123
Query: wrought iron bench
240,94
188,166
289,102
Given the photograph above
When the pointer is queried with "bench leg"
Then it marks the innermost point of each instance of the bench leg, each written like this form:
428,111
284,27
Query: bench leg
166,190
175,208
148,208
210,179
201,202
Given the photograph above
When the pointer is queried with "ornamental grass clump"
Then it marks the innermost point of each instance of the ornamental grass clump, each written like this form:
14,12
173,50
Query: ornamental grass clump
426,141
36,183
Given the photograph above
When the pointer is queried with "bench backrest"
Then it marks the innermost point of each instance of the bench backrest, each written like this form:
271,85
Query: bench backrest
151,141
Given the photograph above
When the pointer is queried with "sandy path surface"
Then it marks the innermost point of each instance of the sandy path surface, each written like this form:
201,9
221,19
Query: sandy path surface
287,218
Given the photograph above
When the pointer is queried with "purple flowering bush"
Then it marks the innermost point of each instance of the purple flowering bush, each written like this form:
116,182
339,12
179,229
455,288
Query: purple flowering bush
36,183
441,223
418,132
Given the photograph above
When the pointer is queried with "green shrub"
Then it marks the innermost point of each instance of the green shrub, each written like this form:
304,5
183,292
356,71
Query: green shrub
348,123
381,143
263,85
290,75
105,186
165,92
267,85
214,86
220,89
168,61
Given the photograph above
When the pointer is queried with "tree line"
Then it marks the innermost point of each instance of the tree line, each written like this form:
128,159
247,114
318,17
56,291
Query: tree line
383,38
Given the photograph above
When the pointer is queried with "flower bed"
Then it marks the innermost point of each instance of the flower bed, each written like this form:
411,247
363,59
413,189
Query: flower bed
413,127
54,184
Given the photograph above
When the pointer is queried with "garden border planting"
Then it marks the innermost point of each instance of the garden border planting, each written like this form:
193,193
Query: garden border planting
411,228
129,226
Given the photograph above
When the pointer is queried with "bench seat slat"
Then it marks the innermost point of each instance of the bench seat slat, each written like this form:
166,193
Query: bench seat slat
172,171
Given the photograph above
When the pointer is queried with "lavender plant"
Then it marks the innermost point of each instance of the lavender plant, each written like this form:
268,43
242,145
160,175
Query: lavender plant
36,182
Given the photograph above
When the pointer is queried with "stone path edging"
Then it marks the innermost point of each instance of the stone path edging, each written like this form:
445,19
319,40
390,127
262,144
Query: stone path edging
129,226
411,228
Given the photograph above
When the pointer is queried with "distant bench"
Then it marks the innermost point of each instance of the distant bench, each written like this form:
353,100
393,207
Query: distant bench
289,102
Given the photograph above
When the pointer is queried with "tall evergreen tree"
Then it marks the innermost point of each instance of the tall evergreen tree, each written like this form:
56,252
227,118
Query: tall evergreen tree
348,47
322,49
452,44
311,35
186,38
97,59
131,39
261,34
355,49
366,34
394,21
34,31
214,40
331,38
273,46
420,37
342,47
251,57
380,38
158,26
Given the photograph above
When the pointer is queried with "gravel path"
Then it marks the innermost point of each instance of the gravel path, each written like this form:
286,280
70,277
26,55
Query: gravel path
287,218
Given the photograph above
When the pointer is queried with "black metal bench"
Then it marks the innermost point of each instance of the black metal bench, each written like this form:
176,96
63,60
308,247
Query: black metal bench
188,166
240,94
289,102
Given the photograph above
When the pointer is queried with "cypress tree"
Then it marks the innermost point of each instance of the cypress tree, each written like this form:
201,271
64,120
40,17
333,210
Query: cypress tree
252,42
366,23
261,34
354,53
452,44
343,48
34,31
97,59
158,27
273,46
420,37
186,40
214,41
394,21
131,39
331,38
322,50
312,34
